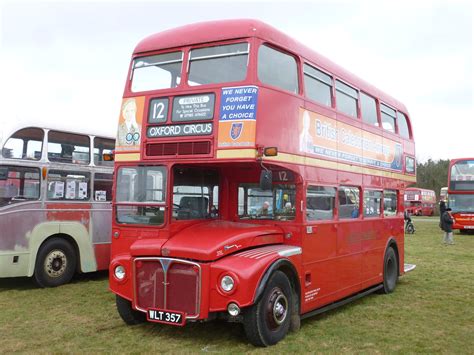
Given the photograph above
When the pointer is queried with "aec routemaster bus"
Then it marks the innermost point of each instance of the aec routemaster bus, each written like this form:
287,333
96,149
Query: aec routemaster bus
461,193
420,202
55,204
255,181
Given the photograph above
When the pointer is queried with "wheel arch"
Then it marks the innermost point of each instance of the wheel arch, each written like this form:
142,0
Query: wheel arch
287,267
392,243
75,233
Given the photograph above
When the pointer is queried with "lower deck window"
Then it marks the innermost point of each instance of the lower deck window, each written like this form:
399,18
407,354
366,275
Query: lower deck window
18,184
276,204
372,203
68,185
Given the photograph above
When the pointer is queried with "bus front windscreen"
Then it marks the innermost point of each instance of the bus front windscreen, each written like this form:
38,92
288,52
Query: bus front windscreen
462,176
461,203
157,72
140,192
218,64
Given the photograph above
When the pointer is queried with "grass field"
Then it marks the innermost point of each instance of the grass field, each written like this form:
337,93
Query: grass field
431,311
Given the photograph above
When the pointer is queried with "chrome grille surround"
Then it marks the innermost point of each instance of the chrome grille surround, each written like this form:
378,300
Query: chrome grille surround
165,264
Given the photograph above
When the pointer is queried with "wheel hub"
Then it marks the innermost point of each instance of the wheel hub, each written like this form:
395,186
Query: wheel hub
277,308
55,263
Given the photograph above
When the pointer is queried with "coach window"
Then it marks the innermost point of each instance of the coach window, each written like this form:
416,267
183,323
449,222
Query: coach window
277,69
346,99
390,202
388,118
403,125
348,202
369,109
318,85
320,203
102,187
103,146
18,184
218,64
26,143
68,185
372,203
68,148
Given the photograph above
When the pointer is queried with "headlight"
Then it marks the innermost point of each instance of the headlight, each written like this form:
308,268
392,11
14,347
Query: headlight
119,272
227,283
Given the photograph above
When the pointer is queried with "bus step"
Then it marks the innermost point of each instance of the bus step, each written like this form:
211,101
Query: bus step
409,267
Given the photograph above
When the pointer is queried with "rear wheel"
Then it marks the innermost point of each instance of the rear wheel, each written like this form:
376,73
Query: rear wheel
127,313
390,271
268,321
55,263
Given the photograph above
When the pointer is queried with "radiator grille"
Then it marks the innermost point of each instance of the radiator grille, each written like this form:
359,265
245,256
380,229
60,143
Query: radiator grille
178,148
168,284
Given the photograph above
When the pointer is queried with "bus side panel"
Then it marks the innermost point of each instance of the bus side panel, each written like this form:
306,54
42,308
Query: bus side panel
320,281
101,223
16,225
74,219
102,255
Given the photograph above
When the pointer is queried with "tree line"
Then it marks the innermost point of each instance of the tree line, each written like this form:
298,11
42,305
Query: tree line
432,175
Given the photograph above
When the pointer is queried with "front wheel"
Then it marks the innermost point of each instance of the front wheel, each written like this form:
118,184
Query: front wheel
127,313
55,263
390,271
268,321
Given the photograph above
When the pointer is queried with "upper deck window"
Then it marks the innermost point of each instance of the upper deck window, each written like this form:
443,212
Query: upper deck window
68,148
462,176
346,99
403,126
103,146
162,71
26,143
277,69
317,85
369,109
218,64
388,118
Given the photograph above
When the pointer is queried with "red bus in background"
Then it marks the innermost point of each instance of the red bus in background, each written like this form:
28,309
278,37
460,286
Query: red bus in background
420,202
255,181
461,193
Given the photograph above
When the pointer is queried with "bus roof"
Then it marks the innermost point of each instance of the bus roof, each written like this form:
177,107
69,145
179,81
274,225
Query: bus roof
205,32
8,130
417,189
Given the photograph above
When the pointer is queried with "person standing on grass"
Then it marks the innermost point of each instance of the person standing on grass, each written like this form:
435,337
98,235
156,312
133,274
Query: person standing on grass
447,221
442,209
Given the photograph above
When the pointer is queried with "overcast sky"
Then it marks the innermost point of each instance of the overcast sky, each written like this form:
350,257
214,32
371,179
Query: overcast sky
66,62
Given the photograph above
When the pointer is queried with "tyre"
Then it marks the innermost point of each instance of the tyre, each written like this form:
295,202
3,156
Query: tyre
390,271
268,321
127,313
55,263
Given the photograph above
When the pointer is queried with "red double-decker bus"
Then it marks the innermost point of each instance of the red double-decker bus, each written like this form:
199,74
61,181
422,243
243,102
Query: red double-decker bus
461,193
255,180
420,202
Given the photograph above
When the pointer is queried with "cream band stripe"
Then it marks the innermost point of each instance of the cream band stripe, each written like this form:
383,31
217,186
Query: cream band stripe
308,161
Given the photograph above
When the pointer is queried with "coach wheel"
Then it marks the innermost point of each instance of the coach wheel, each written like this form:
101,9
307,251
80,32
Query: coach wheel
268,321
127,313
390,271
55,263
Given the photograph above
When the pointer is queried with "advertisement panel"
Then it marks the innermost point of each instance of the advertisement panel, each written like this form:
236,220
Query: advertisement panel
327,138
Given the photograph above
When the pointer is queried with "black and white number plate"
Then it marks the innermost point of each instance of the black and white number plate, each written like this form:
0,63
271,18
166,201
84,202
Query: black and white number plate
167,317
